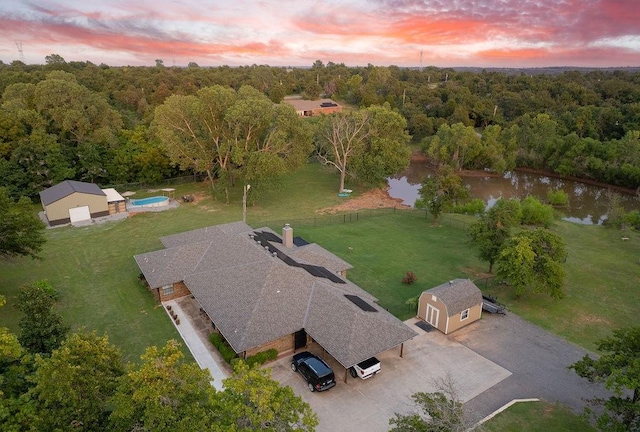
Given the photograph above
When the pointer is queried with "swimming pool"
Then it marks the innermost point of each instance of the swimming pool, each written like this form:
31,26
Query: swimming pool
156,201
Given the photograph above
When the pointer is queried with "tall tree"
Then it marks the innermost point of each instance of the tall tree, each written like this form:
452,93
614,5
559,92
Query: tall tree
21,232
386,152
15,368
251,400
441,192
163,393
266,140
456,145
533,259
342,137
192,130
77,114
619,368
225,134
493,229
441,411
369,144
41,329
74,386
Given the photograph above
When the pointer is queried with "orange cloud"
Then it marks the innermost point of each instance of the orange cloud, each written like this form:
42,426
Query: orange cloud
353,32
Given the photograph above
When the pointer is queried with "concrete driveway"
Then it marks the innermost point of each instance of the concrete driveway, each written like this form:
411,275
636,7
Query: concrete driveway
367,405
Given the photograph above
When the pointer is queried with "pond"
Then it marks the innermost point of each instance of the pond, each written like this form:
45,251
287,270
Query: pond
587,203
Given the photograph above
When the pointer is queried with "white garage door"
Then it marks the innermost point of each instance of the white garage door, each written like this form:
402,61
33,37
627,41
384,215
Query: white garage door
79,214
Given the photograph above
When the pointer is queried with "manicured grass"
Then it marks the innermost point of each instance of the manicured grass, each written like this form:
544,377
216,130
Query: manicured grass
383,249
538,417
603,278
94,270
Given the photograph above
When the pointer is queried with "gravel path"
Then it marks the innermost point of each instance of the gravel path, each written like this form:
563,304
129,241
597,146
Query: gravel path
537,359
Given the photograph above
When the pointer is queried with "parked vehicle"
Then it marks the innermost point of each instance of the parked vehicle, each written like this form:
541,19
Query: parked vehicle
315,371
365,369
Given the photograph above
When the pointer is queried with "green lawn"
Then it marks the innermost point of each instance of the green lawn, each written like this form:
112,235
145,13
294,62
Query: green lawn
94,270
383,249
537,417
602,286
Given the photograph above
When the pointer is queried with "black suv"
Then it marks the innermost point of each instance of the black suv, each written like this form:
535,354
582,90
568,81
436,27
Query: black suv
315,371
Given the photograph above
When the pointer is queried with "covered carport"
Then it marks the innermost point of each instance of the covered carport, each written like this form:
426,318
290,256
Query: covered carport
352,329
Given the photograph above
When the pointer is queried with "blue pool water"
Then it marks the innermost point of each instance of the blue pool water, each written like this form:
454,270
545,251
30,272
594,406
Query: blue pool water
148,201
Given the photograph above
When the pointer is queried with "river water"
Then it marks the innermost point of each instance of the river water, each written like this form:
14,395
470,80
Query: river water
587,203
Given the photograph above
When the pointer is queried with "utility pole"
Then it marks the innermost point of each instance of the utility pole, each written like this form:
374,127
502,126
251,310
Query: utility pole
244,202
19,46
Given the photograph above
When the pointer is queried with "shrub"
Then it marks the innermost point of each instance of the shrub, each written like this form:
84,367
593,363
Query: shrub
536,213
410,278
633,219
557,197
45,286
222,346
616,214
262,357
474,207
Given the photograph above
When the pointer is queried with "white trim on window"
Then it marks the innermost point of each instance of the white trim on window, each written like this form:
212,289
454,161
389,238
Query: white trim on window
167,290
464,314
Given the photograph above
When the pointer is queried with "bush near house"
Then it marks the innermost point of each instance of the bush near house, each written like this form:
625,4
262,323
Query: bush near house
262,357
222,346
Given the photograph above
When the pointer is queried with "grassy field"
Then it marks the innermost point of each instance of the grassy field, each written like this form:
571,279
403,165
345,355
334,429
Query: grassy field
94,270
383,249
602,283
537,417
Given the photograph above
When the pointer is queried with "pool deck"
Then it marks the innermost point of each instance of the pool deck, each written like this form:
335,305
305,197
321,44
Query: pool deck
140,209
114,217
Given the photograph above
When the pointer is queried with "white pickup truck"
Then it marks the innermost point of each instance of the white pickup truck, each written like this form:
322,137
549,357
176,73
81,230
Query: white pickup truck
365,369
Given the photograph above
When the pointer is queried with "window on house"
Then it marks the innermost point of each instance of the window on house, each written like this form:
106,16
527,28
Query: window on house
464,314
167,290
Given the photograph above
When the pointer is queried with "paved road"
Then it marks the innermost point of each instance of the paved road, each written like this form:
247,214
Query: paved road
537,360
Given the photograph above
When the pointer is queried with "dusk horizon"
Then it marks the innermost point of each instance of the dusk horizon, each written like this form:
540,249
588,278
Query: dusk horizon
404,33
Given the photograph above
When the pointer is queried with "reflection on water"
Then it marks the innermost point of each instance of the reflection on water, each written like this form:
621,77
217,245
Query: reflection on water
587,204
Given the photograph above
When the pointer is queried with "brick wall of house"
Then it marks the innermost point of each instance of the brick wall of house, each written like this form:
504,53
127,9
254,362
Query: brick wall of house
179,290
283,344
327,110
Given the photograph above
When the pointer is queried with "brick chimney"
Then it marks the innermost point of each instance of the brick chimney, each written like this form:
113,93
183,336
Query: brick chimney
287,236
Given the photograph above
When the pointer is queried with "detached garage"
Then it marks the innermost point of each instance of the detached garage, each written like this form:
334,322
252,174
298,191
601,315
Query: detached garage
451,305
73,201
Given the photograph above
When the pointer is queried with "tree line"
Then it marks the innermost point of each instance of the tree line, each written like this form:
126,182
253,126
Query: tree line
104,124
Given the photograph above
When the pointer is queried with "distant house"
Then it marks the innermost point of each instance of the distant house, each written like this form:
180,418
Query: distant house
73,201
451,305
262,290
309,108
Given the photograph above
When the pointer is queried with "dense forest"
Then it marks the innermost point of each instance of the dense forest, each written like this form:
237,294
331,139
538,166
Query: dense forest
78,120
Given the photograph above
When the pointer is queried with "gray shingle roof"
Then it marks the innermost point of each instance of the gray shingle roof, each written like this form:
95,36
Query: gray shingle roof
66,188
457,295
254,297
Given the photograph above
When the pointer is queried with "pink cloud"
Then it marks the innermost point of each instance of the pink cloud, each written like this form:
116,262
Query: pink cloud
349,31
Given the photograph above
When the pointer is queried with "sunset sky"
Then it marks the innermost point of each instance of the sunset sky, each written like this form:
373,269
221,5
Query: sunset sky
483,33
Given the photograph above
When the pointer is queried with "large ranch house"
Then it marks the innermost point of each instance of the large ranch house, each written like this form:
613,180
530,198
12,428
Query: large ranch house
262,290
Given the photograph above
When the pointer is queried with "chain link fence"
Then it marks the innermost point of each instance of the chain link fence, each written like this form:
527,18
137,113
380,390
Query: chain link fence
160,184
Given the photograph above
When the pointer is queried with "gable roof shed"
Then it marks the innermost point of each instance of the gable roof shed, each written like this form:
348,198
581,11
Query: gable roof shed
66,188
451,305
